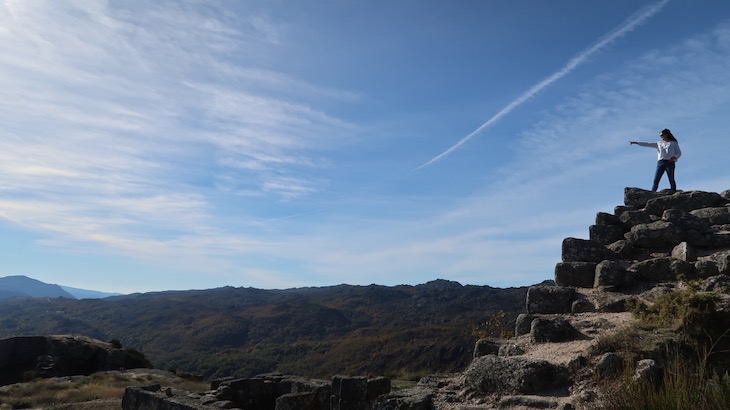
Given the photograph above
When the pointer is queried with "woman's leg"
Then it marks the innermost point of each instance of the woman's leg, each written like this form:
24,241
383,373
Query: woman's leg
658,175
670,174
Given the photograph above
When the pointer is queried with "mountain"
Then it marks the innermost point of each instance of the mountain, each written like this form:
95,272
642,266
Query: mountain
25,287
317,332
88,294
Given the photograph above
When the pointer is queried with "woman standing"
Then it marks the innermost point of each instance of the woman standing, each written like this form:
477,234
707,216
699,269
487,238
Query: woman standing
669,153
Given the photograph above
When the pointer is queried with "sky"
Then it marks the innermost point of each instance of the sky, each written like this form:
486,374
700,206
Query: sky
148,146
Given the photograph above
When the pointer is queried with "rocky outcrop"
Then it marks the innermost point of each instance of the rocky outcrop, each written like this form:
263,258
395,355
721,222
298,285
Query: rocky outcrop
635,253
266,392
24,358
662,236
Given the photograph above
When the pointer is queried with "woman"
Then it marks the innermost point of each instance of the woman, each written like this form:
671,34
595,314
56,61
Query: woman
669,153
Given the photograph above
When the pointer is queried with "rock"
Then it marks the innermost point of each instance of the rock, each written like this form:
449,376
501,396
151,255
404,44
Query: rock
549,299
609,365
714,215
706,268
649,371
722,259
653,235
552,330
510,349
511,402
583,250
637,197
684,252
69,356
577,274
408,399
577,362
483,347
684,201
716,283
611,302
654,270
523,324
606,219
605,234
492,374
686,221
582,305
296,401
623,248
636,217
613,274
652,294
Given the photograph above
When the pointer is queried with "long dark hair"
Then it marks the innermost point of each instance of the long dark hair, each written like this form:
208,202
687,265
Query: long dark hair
668,134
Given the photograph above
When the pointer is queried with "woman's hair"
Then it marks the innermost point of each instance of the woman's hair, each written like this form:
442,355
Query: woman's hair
668,134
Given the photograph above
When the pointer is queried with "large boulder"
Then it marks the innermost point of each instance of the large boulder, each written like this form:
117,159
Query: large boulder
583,250
549,299
614,275
637,197
605,234
655,234
60,355
552,330
636,217
662,269
494,374
713,216
684,201
578,274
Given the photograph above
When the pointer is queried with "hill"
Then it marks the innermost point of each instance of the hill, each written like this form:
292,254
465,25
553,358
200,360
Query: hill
313,332
23,287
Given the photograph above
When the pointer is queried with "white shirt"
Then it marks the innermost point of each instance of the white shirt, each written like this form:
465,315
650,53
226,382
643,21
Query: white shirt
667,149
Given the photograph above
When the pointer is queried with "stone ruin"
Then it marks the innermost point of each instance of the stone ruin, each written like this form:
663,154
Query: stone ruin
639,250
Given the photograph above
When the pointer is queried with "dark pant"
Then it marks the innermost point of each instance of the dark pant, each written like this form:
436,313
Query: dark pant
661,166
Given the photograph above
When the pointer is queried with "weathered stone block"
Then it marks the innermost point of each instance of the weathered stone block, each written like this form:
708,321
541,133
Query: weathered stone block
552,330
655,234
578,274
722,259
523,323
706,268
409,399
486,346
637,197
684,201
606,219
605,234
635,217
350,388
549,299
714,215
491,374
582,250
613,274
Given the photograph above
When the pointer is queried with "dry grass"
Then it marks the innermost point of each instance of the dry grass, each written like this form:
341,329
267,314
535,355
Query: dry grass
99,391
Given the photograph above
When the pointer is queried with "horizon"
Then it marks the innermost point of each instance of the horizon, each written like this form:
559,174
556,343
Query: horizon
190,146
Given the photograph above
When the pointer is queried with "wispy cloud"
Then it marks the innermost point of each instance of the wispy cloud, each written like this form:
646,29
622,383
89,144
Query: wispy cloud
631,23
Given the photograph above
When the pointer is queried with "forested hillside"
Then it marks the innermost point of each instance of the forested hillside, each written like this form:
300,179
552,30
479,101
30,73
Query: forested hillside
315,332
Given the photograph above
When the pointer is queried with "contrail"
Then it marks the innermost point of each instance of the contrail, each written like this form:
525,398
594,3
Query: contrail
631,23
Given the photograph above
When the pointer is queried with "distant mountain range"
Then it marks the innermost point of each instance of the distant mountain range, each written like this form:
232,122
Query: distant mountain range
314,332
25,287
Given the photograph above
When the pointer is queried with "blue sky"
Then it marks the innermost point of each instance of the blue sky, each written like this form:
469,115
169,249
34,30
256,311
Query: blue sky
196,144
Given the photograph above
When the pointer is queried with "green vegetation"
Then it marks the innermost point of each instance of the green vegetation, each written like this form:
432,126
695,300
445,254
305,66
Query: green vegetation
311,332
685,332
